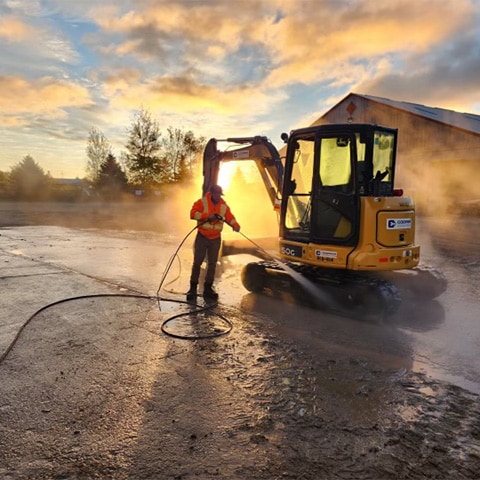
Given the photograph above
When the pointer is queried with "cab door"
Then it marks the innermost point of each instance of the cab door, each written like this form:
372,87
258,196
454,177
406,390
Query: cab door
335,205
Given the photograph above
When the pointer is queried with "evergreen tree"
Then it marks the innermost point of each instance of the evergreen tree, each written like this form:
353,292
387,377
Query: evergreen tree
28,180
4,183
112,180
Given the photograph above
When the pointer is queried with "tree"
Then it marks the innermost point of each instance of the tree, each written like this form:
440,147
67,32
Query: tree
28,180
98,149
180,150
194,146
4,183
111,179
143,150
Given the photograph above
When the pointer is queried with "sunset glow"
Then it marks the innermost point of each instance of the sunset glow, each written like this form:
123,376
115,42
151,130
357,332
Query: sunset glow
243,68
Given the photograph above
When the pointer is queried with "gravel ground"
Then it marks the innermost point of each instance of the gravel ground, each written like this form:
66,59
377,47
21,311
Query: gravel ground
94,389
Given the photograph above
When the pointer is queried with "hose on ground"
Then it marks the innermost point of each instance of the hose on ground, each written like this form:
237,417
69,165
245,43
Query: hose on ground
197,310
64,300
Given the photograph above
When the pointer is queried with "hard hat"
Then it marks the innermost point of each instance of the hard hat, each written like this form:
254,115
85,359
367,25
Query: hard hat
216,189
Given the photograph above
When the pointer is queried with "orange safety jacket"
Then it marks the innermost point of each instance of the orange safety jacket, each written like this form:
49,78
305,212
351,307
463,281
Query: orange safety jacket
203,208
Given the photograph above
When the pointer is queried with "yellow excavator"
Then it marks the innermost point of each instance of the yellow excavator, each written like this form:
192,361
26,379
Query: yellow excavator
343,226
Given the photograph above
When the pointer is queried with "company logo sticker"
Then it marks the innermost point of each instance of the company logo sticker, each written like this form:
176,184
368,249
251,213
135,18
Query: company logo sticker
326,253
399,223
241,154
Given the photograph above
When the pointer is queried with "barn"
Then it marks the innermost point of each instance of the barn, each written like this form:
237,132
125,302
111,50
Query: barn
438,158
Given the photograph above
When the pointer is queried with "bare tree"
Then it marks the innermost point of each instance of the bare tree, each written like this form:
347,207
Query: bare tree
98,149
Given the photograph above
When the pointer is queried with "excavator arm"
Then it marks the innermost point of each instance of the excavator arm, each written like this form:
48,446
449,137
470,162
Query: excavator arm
258,149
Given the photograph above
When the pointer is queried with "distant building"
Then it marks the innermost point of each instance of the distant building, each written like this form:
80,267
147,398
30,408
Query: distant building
70,189
438,149
68,182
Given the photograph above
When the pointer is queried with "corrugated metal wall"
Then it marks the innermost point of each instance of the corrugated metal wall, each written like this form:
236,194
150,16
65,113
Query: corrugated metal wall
424,137
433,159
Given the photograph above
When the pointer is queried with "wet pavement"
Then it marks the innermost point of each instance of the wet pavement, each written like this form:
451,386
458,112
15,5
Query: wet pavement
94,388
440,337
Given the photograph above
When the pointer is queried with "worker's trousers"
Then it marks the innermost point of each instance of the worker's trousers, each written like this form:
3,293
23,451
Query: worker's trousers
205,247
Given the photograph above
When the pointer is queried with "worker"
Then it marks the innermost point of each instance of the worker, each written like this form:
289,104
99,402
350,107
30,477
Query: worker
210,212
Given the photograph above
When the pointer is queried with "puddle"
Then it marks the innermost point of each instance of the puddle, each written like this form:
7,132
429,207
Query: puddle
439,374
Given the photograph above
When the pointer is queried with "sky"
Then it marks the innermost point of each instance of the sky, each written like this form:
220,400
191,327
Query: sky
218,68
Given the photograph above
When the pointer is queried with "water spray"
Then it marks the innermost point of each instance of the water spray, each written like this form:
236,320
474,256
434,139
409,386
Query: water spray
321,298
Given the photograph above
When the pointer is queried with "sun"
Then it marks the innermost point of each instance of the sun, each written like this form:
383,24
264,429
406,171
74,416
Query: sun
226,174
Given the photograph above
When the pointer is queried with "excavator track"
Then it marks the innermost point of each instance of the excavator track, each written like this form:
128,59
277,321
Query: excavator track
422,282
342,292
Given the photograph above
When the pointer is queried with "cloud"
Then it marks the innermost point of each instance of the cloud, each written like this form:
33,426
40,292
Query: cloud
200,36
445,75
209,22
22,100
320,44
184,95
274,44
14,30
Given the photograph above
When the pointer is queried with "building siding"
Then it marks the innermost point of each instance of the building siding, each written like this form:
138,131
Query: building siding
432,156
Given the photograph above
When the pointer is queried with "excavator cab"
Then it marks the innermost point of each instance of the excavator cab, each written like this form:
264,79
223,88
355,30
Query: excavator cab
339,205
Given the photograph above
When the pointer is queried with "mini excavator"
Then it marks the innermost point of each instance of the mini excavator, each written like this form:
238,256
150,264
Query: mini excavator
343,225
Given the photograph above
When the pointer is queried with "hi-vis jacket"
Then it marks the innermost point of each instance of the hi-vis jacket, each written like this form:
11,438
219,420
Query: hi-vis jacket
203,208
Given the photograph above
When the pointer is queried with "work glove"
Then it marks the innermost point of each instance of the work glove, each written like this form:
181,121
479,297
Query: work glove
236,228
215,217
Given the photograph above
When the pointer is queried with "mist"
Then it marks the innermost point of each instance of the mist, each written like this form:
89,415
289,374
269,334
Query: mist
438,185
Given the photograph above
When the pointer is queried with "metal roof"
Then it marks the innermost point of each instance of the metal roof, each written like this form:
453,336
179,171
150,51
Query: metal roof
464,121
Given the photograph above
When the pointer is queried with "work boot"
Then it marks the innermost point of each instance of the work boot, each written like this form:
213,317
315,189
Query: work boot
209,293
192,293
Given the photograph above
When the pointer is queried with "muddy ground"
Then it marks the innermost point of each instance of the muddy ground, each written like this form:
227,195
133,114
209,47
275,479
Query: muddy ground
93,388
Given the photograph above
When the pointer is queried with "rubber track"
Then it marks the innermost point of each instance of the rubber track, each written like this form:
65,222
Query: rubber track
346,285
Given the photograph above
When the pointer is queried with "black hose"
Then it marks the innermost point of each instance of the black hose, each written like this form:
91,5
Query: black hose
64,300
198,309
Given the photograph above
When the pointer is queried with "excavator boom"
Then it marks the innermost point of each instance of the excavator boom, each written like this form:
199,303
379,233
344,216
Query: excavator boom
257,149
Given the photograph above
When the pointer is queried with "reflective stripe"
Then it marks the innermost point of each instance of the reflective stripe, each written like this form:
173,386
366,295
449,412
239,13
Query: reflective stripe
218,226
213,226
